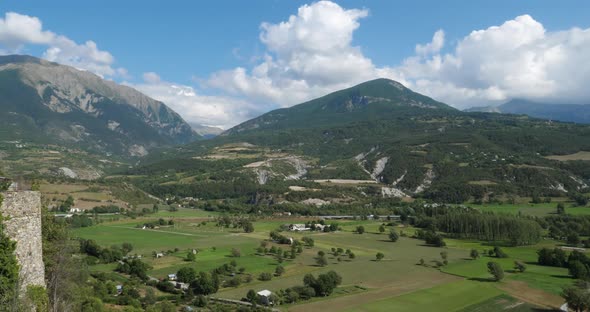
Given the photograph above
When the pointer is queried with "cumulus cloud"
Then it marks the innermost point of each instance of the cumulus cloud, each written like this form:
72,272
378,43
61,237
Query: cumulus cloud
438,41
308,55
518,59
311,54
18,30
217,111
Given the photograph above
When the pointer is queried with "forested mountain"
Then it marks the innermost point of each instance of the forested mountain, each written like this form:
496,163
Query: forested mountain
46,103
578,113
397,142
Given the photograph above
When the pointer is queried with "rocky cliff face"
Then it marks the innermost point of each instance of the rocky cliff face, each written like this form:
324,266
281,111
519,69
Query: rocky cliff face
79,107
23,224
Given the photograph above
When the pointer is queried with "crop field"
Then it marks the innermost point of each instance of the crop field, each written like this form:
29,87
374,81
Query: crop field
396,283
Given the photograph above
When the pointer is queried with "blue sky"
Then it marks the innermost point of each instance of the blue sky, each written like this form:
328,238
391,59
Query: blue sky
207,59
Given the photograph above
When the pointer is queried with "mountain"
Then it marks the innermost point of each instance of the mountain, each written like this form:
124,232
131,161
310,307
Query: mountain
373,100
578,113
375,140
206,132
45,102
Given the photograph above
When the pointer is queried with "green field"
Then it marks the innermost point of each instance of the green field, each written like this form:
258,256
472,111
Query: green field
397,283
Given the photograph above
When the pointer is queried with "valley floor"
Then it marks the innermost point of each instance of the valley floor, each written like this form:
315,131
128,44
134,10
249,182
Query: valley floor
396,283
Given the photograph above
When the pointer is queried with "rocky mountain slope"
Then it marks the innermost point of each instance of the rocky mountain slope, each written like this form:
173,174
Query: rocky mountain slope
381,139
44,102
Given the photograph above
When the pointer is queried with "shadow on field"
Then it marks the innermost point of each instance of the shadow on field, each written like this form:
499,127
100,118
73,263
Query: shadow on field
562,276
482,279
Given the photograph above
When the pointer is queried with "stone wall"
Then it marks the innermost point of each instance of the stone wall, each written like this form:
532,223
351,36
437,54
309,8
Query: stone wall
22,223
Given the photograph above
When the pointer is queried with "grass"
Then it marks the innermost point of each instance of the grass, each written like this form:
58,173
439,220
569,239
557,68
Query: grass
549,279
448,297
501,303
396,283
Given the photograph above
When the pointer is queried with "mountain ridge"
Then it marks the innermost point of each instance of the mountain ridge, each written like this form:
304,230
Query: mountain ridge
578,113
74,107
375,99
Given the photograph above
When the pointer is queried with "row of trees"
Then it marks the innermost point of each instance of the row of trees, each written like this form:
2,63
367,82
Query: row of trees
490,227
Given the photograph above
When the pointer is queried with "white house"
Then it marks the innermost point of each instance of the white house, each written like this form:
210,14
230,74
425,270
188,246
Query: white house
264,296
159,255
75,210
298,227
172,277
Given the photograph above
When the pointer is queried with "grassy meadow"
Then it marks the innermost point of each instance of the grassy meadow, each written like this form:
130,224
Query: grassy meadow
396,283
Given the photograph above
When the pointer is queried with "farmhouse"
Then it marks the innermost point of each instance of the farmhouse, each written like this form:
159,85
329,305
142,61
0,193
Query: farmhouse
159,255
75,210
297,227
172,277
264,296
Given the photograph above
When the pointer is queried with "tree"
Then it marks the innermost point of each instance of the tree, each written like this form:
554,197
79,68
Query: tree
379,256
308,241
324,284
205,284
351,255
578,270
393,236
321,260
279,270
235,252
360,229
190,256
381,229
496,270
577,298
499,252
519,266
560,209
8,266
265,276
248,227
474,254
573,239
252,296
186,275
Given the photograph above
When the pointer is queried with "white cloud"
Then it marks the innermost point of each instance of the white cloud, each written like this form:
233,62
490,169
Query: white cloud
518,59
438,41
18,30
311,54
218,111
307,56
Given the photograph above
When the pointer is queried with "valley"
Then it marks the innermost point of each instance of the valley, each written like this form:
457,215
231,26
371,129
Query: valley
372,198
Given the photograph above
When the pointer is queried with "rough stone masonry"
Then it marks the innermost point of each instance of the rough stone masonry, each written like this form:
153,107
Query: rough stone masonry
22,223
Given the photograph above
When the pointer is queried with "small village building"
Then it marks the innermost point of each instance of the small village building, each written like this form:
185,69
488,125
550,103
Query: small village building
264,296
172,277
297,227
159,255
119,289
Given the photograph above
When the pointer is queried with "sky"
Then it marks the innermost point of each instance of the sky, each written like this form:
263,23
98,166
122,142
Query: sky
222,62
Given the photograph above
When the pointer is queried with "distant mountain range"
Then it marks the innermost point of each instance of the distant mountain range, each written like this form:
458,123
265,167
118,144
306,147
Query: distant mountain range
45,102
577,113
206,132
